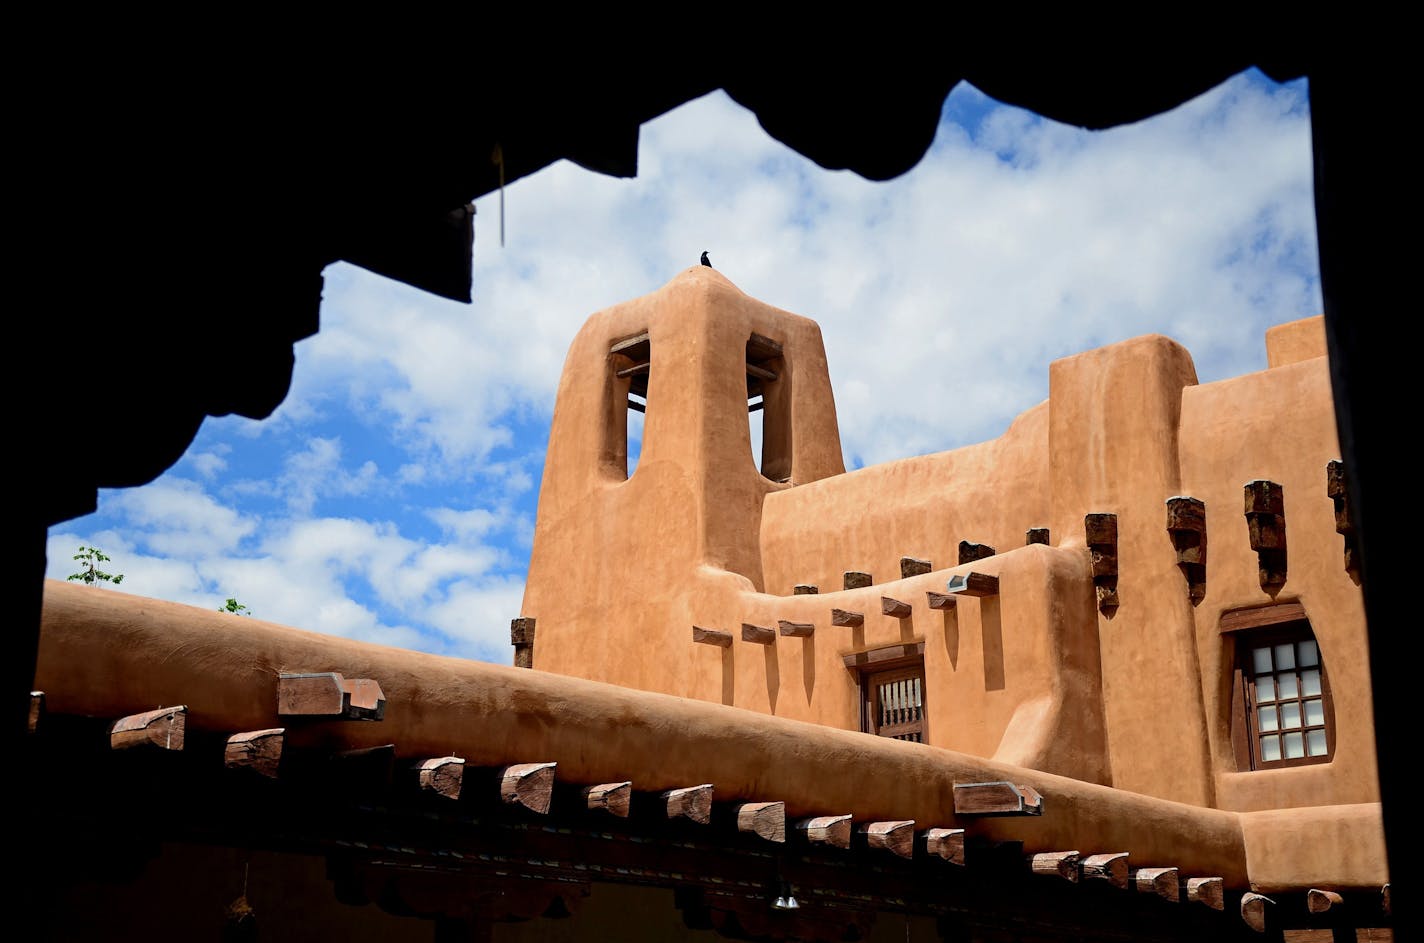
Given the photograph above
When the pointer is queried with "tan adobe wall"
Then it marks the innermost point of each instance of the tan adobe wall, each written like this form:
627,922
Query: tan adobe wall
1295,341
1040,675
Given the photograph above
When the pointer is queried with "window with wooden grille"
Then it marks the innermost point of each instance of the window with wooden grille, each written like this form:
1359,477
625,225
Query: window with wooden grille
1281,708
894,702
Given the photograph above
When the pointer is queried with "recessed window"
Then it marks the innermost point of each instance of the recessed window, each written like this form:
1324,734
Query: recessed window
1282,713
892,691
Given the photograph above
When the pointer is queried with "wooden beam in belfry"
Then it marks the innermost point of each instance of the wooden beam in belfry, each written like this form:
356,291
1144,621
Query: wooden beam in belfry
833,830
1111,867
162,728
259,751
527,784
37,711
796,629
897,837
711,637
330,695
439,775
1208,891
973,584
895,607
940,600
1058,864
693,803
1164,882
1255,910
759,634
763,819
612,798
996,798
947,844
844,617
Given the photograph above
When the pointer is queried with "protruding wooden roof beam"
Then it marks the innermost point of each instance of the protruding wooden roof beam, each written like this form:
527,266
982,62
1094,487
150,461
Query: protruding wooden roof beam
162,728
439,775
856,579
1100,531
970,552
833,830
796,629
897,837
759,634
895,607
613,798
940,600
1186,525
947,844
844,617
37,711
913,566
1319,901
329,695
1266,527
1058,864
257,750
711,636
527,784
1208,891
805,589
1111,867
1164,882
1036,535
521,636
1255,910
973,584
996,798
763,819
1337,489
693,803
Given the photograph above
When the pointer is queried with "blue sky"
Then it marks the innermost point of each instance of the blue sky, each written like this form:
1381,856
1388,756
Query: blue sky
392,496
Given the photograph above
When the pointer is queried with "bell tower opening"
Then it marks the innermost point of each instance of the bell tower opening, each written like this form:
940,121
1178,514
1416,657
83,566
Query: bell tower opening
769,407
630,364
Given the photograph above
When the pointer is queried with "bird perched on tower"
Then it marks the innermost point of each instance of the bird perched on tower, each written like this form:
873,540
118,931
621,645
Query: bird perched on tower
704,259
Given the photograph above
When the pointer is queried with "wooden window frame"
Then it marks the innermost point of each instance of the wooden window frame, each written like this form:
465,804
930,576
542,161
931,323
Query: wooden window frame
1272,625
877,667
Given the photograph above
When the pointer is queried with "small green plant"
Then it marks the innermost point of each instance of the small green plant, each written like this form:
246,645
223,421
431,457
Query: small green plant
232,605
89,559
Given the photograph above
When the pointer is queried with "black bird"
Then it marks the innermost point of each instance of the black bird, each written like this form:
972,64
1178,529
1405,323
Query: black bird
704,259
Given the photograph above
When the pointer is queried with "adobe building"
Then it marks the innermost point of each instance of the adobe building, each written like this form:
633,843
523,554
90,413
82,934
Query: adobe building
1101,678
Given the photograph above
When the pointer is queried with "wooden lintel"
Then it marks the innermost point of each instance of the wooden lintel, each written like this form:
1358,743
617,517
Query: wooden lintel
845,617
530,785
758,634
996,798
1209,891
833,830
329,694
897,837
761,347
37,709
692,802
856,579
796,629
973,584
257,750
1164,882
940,600
764,819
1254,908
946,844
440,775
1111,867
895,607
913,566
711,636
613,798
1059,864
1319,901
162,728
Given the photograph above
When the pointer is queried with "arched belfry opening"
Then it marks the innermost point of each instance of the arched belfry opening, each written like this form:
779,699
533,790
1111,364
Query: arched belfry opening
769,407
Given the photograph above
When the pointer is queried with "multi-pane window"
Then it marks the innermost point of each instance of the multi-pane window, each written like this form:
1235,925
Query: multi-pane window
1283,715
895,703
